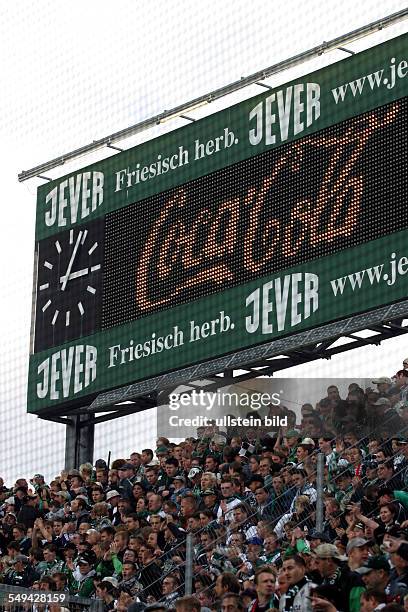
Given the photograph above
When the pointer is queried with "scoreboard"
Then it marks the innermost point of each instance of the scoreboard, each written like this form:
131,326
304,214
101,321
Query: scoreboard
282,213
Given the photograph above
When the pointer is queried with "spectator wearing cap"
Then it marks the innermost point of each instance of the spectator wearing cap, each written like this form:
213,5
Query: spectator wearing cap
346,585
376,574
384,385
210,501
316,538
343,486
81,578
389,421
21,573
126,473
37,481
178,489
29,511
357,552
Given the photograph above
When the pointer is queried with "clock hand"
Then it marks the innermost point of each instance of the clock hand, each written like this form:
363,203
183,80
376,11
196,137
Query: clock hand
77,274
71,261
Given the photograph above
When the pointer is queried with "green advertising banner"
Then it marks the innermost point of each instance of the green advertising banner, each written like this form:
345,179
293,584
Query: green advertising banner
306,296
345,89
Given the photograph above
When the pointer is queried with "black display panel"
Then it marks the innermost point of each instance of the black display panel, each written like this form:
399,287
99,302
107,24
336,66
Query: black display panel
340,187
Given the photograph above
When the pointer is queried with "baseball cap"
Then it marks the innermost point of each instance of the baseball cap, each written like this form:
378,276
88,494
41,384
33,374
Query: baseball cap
378,562
307,442
162,450
328,551
255,540
181,478
218,439
11,501
126,466
64,494
195,471
208,492
83,560
318,535
113,581
111,494
356,543
382,401
38,476
382,380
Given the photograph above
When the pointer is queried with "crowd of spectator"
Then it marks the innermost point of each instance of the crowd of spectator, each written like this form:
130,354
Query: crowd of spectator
237,509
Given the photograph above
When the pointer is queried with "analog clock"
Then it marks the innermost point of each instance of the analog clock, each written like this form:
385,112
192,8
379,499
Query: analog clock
69,285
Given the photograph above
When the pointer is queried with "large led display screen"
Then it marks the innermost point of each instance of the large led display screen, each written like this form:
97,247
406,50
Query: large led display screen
189,247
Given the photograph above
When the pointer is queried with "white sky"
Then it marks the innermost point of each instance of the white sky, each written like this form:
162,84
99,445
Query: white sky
74,72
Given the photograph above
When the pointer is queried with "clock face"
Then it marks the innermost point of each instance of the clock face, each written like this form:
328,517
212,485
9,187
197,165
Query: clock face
69,285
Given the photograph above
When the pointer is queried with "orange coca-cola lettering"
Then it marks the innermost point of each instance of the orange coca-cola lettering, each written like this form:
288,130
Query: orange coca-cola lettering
198,250
178,248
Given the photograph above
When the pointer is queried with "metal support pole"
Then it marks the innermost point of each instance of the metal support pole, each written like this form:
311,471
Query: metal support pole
189,564
79,441
319,486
